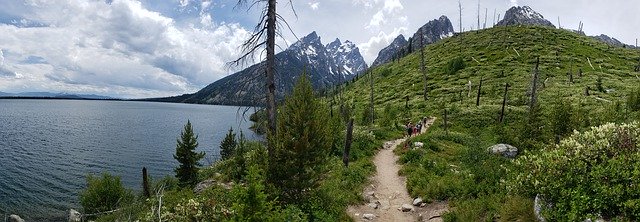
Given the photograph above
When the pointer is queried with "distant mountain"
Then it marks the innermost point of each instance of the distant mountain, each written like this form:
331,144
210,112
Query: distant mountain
386,54
523,16
434,31
54,95
611,41
325,65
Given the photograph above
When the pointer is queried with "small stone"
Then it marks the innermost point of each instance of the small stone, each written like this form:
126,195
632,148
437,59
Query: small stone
74,216
368,216
417,201
423,204
418,144
406,208
15,218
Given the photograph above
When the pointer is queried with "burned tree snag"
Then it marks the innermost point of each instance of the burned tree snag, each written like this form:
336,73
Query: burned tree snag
145,183
534,86
504,101
347,143
479,92
422,65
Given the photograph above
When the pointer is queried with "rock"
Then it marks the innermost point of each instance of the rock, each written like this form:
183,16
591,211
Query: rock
374,205
418,144
368,216
15,218
523,16
406,208
537,208
203,185
370,196
417,201
504,150
423,204
74,216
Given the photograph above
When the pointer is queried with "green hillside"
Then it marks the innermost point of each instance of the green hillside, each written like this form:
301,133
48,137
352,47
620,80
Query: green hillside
454,165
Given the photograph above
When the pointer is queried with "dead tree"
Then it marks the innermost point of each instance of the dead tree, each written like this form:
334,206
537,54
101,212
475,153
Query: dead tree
504,101
264,36
534,87
460,10
484,25
586,91
371,108
479,92
145,183
478,27
469,89
580,73
347,143
423,68
559,26
494,17
446,121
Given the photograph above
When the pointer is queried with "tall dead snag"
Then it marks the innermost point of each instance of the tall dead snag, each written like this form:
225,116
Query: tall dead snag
423,69
504,101
484,25
264,36
347,143
371,108
534,86
479,92
460,10
145,183
446,121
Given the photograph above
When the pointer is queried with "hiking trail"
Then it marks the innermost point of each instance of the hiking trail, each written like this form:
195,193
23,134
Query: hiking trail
385,197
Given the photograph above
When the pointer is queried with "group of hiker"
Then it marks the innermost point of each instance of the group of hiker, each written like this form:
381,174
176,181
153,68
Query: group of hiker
417,128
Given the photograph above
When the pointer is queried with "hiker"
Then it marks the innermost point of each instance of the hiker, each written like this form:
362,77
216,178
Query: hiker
424,121
409,129
419,127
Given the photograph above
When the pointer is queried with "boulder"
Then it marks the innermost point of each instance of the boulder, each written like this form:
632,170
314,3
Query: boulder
370,196
406,208
418,144
15,218
374,205
74,216
210,182
368,216
417,201
504,150
537,208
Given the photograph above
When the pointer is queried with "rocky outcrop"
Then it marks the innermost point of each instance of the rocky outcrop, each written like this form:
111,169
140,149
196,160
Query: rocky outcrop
74,216
203,185
523,16
417,201
15,218
386,54
504,150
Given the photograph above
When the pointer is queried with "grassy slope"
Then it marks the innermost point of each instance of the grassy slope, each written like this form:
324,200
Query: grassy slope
455,166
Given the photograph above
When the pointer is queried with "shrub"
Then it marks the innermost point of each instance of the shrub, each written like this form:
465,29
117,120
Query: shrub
455,65
104,194
588,174
633,100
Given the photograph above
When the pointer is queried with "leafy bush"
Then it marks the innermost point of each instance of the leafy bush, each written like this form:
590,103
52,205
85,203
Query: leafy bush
104,194
588,174
455,65
633,100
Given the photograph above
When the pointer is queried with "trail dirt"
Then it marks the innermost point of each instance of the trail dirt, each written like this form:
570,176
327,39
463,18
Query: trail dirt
387,193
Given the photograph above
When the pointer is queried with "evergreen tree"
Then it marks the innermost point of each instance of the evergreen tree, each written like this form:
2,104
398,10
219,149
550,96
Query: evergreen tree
561,119
302,144
187,172
228,145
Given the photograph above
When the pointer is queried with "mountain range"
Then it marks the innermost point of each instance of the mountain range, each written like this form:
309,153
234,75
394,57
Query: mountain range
337,62
326,66
53,95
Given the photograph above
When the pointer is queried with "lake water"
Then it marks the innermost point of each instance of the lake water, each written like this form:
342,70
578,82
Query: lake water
48,147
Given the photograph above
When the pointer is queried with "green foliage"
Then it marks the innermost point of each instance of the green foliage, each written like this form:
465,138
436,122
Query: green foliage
455,65
517,208
633,100
228,145
588,174
389,116
599,86
301,144
187,171
561,118
104,194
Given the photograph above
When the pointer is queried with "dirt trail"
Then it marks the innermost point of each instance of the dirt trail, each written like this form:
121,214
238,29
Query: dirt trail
387,193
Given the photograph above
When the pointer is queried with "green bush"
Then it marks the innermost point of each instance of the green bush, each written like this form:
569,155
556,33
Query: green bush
588,174
104,194
455,65
633,100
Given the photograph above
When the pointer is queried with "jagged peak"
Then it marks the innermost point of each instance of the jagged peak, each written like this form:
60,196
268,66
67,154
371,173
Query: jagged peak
523,15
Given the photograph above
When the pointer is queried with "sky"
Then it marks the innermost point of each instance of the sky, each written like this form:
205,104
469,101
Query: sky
154,48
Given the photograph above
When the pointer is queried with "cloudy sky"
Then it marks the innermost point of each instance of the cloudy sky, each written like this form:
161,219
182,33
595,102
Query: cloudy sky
149,48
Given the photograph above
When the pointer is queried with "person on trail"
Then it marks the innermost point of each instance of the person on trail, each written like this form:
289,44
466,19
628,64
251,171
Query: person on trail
419,127
409,129
424,121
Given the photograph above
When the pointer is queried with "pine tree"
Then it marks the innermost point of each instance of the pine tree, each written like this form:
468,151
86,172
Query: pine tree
187,172
302,144
228,145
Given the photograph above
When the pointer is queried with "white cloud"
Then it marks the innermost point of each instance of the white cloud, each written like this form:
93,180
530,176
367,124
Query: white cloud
376,21
314,5
118,49
514,2
392,6
373,45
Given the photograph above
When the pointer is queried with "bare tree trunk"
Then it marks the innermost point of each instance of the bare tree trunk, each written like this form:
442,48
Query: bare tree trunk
460,10
479,91
271,66
534,86
478,27
486,10
422,65
504,101
145,183
446,121
494,17
347,143
372,110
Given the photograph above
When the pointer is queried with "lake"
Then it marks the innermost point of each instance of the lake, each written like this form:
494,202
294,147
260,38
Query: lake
48,147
